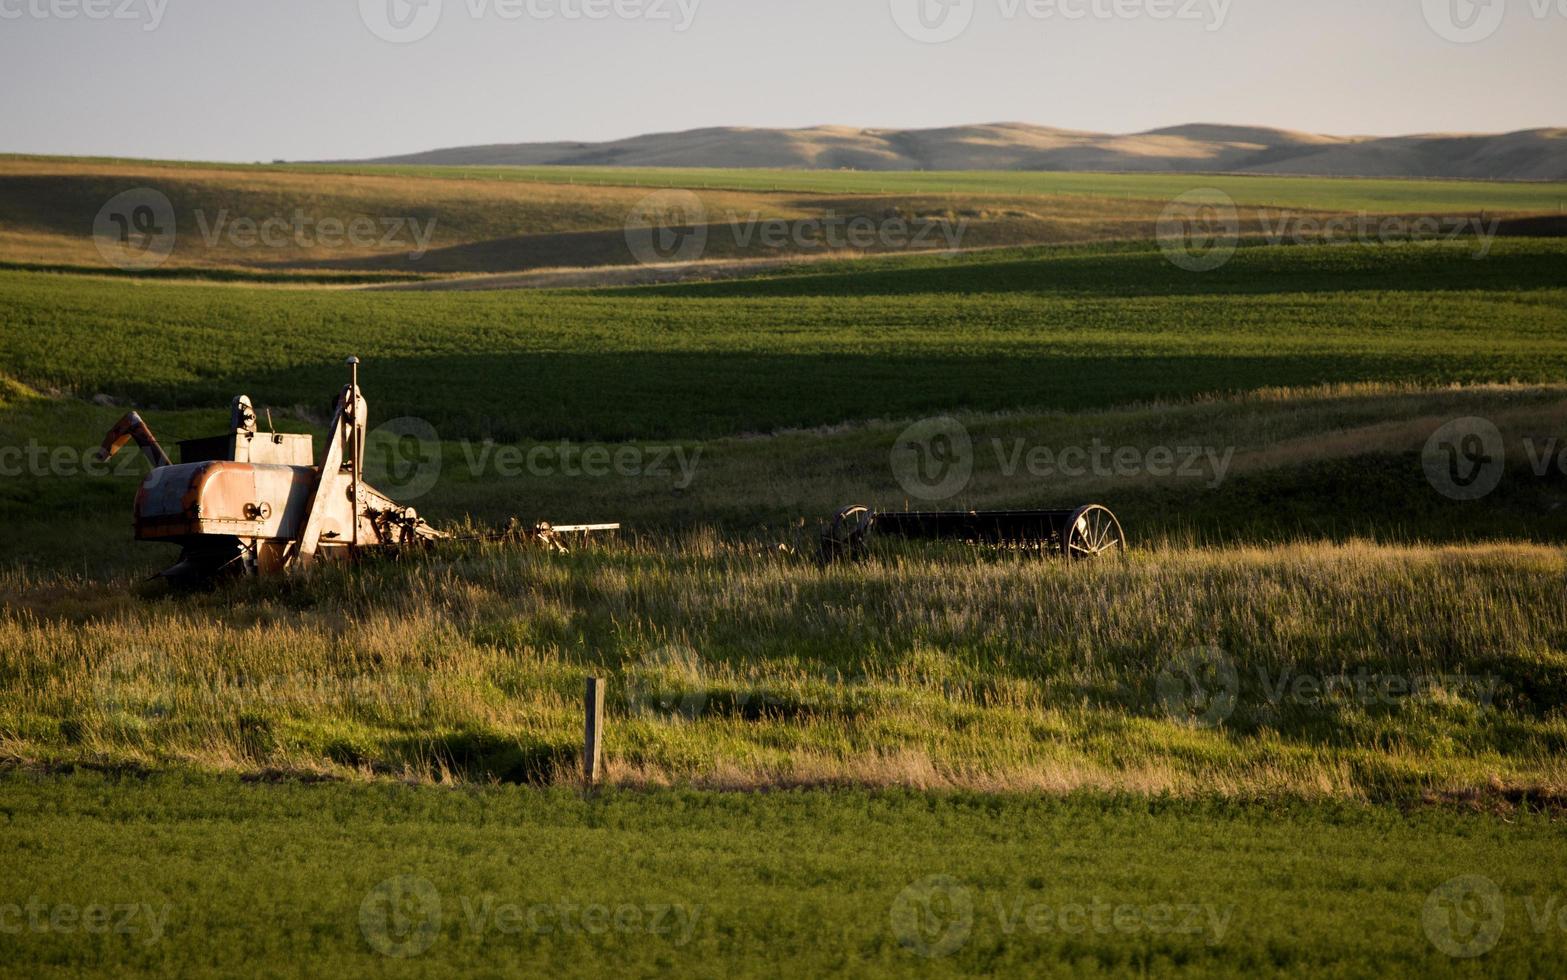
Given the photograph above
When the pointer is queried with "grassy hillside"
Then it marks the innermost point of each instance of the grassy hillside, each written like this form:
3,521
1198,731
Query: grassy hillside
999,332
1356,672
346,225
1533,154
431,225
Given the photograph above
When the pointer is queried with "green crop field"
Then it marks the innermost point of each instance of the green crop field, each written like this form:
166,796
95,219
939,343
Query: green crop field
904,338
407,882
1314,713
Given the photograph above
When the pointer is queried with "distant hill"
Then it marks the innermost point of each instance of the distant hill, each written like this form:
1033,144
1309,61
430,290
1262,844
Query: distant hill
1538,154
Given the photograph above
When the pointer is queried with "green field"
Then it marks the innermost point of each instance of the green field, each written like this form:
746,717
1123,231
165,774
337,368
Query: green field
904,338
407,882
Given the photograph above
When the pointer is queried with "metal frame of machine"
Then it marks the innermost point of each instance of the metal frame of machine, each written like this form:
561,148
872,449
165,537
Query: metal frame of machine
253,502
1089,531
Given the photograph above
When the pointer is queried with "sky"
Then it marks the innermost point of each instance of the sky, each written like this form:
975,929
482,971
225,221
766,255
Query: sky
332,79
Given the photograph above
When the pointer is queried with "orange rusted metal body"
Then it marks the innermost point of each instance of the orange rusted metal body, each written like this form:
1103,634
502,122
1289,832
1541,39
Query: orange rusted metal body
248,501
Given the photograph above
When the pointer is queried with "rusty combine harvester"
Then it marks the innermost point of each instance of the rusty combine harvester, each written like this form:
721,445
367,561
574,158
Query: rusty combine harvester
1089,531
247,502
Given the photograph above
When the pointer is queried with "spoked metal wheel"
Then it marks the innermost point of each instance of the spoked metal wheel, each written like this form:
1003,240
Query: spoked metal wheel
1092,531
845,538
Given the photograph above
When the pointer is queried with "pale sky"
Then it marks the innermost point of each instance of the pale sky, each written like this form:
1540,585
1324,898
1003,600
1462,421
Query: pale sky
313,79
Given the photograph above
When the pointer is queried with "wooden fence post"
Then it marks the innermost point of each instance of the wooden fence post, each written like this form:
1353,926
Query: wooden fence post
593,732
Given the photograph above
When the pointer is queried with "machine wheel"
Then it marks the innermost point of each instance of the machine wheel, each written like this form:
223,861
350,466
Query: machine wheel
1091,532
845,537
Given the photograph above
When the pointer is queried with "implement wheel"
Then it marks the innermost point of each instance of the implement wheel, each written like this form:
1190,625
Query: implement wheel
1092,531
846,537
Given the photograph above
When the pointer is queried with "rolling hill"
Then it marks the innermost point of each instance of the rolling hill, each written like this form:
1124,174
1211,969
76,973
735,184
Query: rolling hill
1539,154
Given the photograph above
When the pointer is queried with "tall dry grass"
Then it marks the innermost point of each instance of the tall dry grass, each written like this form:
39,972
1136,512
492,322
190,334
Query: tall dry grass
732,666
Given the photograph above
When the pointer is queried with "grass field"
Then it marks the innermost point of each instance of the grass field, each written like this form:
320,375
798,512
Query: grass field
494,881
1317,688
1030,329
739,669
